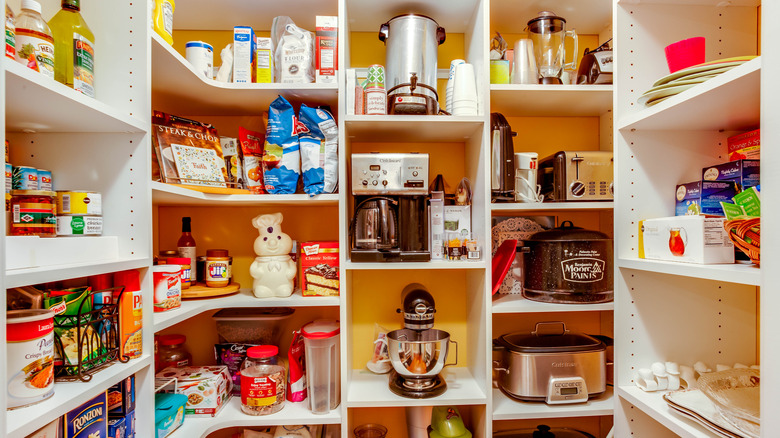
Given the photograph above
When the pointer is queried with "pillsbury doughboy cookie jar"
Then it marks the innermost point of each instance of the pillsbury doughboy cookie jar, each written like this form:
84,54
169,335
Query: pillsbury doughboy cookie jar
273,270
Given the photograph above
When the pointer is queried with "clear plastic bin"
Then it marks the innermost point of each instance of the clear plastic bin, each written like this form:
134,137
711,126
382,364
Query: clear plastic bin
323,376
252,325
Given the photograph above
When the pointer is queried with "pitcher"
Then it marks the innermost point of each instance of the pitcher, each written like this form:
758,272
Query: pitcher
548,33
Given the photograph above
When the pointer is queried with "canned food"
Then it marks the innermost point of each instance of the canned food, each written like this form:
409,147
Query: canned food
44,180
30,343
24,178
33,213
201,56
79,202
9,177
79,225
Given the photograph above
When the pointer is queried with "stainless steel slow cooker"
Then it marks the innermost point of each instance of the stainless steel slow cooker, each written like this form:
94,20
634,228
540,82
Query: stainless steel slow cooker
568,264
551,364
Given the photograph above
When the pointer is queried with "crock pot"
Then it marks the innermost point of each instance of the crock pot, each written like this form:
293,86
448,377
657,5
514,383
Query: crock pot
551,364
568,264
543,431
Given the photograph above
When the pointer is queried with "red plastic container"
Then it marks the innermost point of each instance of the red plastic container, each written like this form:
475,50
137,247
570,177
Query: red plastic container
685,53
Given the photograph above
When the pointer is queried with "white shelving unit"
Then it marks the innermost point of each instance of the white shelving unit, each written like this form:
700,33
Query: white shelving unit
555,101
512,303
168,195
505,408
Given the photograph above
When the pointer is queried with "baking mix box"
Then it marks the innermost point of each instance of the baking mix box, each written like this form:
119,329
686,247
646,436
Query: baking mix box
746,173
243,55
326,49
745,146
265,60
320,269
207,388
687,239
88,420
117,428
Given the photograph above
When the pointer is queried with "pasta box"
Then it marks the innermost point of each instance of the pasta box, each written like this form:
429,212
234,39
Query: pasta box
746,173
320,269
207,388
117,428
686,239
88,420
121,397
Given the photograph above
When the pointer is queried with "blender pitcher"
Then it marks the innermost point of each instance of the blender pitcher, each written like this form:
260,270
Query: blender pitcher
548,33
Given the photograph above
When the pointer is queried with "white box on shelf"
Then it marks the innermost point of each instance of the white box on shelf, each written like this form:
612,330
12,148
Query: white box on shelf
326,35
436,225
687,239
19,252
243,54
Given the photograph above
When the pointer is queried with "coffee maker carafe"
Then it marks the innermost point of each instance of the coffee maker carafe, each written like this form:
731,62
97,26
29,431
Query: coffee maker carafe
390,218
548,33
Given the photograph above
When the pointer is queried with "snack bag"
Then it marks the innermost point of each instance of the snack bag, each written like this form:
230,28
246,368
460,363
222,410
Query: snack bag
72,328
252,148
282,157
234,159
296,377
319,150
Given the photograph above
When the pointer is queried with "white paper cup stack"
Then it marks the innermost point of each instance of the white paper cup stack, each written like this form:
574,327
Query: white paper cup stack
451,81
524,70
464,91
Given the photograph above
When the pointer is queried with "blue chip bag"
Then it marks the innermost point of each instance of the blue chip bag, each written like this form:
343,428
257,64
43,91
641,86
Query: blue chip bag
282,157
319,150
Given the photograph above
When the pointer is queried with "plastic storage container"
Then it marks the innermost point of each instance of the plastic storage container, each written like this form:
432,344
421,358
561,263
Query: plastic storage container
321,338
262,381
260,326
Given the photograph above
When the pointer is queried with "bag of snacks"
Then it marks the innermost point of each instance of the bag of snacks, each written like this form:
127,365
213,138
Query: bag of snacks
319,150
252,148
296,376
232,356
282,155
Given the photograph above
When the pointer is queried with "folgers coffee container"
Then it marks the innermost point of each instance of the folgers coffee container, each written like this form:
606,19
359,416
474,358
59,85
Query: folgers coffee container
79,202
130,313
30,355
568,264
88,420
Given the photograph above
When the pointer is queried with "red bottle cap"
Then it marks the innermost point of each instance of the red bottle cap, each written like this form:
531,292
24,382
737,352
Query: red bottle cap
172,339
262,351
178,261
129,279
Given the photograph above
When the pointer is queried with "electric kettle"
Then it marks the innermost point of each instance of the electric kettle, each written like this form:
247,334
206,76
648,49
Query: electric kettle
375,224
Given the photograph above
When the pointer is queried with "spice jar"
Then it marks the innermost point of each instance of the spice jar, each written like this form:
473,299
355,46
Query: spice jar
262,384
171,352
184,262
217,262
33,213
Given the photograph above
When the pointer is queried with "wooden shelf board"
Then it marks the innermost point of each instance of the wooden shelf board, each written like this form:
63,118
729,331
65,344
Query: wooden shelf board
408,129
515,100
653,404
367,389
167,194
513,303
500,207
741,273
505,408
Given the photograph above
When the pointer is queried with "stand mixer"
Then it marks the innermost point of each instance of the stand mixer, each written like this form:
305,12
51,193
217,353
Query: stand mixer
418,352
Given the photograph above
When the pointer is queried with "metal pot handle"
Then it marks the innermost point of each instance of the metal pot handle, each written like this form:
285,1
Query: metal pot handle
497,367
456,354
384,31
441,35
549,325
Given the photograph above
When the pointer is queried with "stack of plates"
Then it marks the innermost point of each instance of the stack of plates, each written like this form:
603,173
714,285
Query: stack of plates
686,78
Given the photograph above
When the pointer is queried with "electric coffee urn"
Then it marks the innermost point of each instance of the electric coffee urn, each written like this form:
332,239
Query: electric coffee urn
412,42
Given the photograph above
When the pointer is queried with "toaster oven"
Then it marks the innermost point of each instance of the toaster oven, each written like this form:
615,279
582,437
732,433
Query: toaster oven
577,176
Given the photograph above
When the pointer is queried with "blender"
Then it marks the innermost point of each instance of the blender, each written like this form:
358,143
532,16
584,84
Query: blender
548,33
418,352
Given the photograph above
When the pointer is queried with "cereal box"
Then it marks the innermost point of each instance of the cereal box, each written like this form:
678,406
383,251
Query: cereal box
207,388
320,269
87,420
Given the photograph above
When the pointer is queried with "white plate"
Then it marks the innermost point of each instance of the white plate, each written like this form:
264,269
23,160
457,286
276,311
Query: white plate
17,387
696,405
707,66
712,73
666,92
695,81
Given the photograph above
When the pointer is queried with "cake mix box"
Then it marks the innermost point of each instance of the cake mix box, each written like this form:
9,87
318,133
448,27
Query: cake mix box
88,420
320,269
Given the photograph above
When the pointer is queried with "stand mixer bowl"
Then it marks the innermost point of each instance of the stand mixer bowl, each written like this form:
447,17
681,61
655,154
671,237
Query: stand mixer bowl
419,354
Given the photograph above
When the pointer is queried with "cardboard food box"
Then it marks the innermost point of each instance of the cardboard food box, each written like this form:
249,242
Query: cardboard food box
264,60
326,48
745,146
121,397
117,428
746,173
715,192
686,239
168,413
88,420
243,54
207,388
320,269
688,199
436,225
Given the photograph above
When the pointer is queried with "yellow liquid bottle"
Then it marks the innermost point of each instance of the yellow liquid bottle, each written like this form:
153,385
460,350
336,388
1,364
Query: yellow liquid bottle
74,48
163,19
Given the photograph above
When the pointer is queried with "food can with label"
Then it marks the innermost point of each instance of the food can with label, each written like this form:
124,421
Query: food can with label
79,225
33,213
166,281
44,180
9,177
79,202
201,56
24,178
30,354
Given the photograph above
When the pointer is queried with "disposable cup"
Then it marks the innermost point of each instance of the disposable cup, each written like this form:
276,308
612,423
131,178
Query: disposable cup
685,53
465,87
524,70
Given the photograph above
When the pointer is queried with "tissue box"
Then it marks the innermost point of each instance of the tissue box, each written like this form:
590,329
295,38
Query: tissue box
745,146
688,199
121,397
320,269
326,47
746,173
87,420
243,54
687,239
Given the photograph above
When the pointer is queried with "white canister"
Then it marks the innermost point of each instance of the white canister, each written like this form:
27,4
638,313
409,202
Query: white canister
526,187
166,280
201,56
30,344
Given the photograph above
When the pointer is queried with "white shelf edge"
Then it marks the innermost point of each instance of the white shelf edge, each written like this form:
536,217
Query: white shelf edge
133,124
740,273
24,421
45,274
652,404
156,39
244,298
545,206
232,416
438,265
629,121
514,303
166,194
505,408
538,88
401,118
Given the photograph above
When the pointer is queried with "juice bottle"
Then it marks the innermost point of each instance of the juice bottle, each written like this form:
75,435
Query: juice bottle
34,43
10,33
74,48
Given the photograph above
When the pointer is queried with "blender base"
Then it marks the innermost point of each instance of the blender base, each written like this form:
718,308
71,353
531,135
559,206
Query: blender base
436,387
550,81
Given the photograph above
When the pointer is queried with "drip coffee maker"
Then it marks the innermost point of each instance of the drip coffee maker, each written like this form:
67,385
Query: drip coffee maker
548,33
418,352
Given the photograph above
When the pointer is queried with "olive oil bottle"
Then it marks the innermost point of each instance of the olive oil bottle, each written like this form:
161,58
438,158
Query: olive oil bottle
74,48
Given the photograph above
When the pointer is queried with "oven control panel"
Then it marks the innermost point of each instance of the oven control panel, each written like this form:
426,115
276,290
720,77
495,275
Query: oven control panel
567,390
390,174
